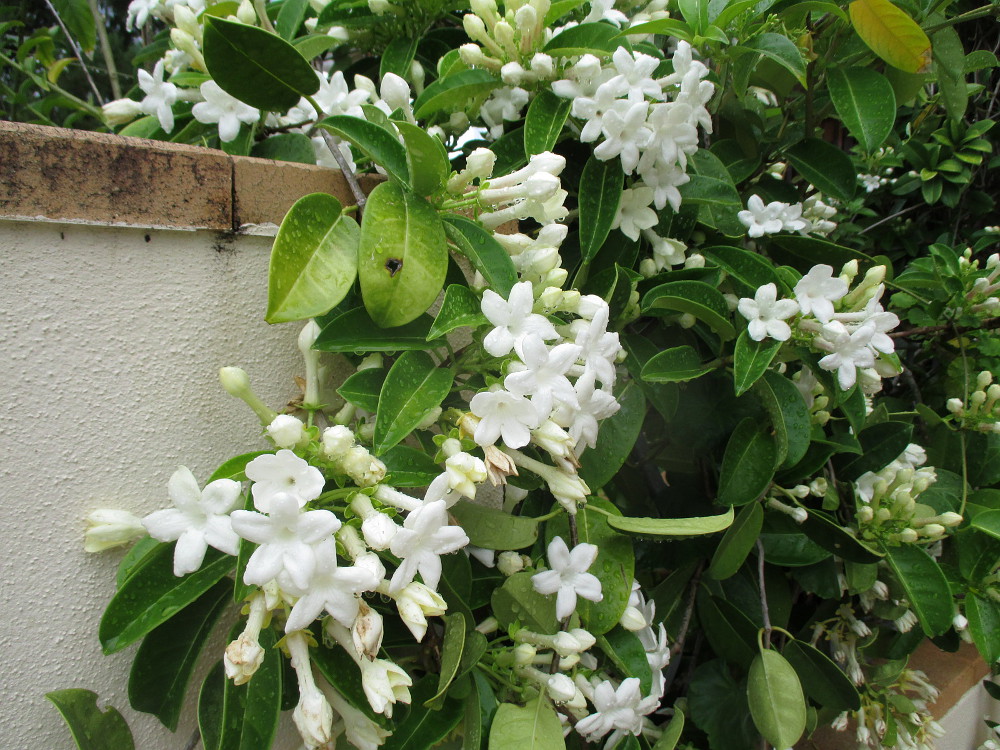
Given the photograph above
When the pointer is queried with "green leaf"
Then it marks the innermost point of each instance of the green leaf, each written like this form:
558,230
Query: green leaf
409,467
802,252
671,732
614,566
397,57
403,255
459,308
517,600
737,542
925,585
79,20
615,439
492,528
363,388
535,726
866,103
242,717
672,527
668,26
781,50
984,625
454,92
987,522
355,331
314,260
426,159
373,142
486,254
167,656
729,631
821,678
599,202
599,39
751,360
290,18
242,589
313,45
141,553
451,657
776,701
675,365
509,149
789,416
424,727
711,187
748,463
294,147
544,122
627,653
414,386
949,59
152,595
746,270
695,12
825,166
880,444
891,34
258,68
719,706
92,729
696,298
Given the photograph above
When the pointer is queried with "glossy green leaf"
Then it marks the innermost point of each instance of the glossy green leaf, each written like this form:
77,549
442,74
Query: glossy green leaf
426,159
162,667
984,625
242,589
865,101
534,726
544,122
79,21
802,252
730,633
599,39
825,166
402,256
880,444
509,149
363,388
746,270
599,202
696,298
751,360
414,386
312,46
675,365
141,553
454,92
748,464
486,254
822,680
776,701
560,8
424,727
891,34
517,600
294,147
355,331
695,12
452,649
258,68
614,566
671,732
781,50
711,188
672,527
925,585
314,260
988,522
397,57
718,704
627,653
789,417
372,141
290,18
492,528
669,26
152,595
737,542
409,467
615,439
830,535
91,728
460,308
242,717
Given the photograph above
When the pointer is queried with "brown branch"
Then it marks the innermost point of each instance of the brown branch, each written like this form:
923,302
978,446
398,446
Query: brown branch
345,168
987,325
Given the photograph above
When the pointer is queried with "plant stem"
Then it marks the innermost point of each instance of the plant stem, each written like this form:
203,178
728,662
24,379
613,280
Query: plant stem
345,168
261,7
987,325
986,10
763,595
76,51
109,58
46,85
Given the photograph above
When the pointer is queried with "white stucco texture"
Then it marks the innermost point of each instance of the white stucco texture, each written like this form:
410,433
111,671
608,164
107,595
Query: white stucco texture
112,340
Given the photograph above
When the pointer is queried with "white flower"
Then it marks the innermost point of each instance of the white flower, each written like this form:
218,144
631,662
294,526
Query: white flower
286,430
595,404
543,374
283,473
385,684
228,111
818,290
332,587
598,348
760,219
621,710
848,351
767,314
634,213
665,179
561,688
361,732
287,539
604,10
313,715
626,133
568,577
199,520
512,319
139,12
379,530
634,75
121,111
464,472
503,414
416,602
109,528
504,104
160,96
425,535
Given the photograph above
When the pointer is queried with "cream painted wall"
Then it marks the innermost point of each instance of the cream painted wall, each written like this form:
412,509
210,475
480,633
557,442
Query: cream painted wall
111,340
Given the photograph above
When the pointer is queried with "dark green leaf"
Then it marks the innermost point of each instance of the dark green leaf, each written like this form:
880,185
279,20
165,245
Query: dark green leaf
615,439
141,553
748,464
92,729
719,706
397,57
737,542
802,253
627,653
426,159
409,467
789,416
675,365
517,600
454,92
821,678
413,387
451,657
294,147
984,625
750,361
355,331
926,587
880,444
79,21
782,50
831,536
696,298
487,255
544,122
746,270
599,39
729,631
492,528
372,141
826,167
599,203
290,18
865,101
363,388
459,308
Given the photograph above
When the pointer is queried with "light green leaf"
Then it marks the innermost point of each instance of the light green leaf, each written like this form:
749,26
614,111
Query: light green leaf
737,542
866,103
414,386
535,726
671,732
695,12
517,600
397,57
675,365
363,388
355,331
925,585
294,147
492,528
454,93
314,260
92,729
79,20
668,26
451,657
426,159
672,527
697,298
789,416
776,701
486,254
290,18
615,438
600,39
312,46
373,142
751,360
782,50
748,464
627,653
891,34
949,64
825,166
984,625
402,257
599,202
459,308
544,122
258,68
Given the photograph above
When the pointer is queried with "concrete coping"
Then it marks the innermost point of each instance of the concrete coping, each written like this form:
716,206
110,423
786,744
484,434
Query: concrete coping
73,176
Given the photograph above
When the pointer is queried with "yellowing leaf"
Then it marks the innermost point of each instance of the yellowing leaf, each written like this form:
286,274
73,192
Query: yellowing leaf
891,34
56,69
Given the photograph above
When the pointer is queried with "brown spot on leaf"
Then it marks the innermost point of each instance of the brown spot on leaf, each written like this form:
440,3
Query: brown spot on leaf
393,266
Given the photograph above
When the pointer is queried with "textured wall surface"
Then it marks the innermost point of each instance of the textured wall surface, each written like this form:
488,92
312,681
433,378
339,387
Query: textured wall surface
112,340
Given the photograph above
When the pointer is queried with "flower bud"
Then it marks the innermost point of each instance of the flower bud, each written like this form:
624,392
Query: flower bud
524,654
379,530
465,471
509,563
121,111
246,14
415,603
561,688
236,383
367,631
337,440
950,518
286,431
632,619
242,658
955,406
395,92
585,638
111,528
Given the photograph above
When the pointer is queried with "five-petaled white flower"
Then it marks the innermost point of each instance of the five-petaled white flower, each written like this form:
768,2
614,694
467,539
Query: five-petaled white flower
818,290
287,539
283,473
503,414
543,374
767,314
385,683
228,111
332,587
199,520
425,535
160,96
621,710
513,319
568,577
848,351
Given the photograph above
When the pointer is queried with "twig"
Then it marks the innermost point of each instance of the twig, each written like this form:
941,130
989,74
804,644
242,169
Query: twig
987,325
678,647
109,58
890,217
763,595
574,535
349,175
193,742
76,51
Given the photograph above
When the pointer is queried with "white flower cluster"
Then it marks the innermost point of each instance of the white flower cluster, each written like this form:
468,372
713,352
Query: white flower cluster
983,410
850,326
811,216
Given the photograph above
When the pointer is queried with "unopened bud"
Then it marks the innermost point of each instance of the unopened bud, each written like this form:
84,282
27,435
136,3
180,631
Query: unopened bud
237,383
